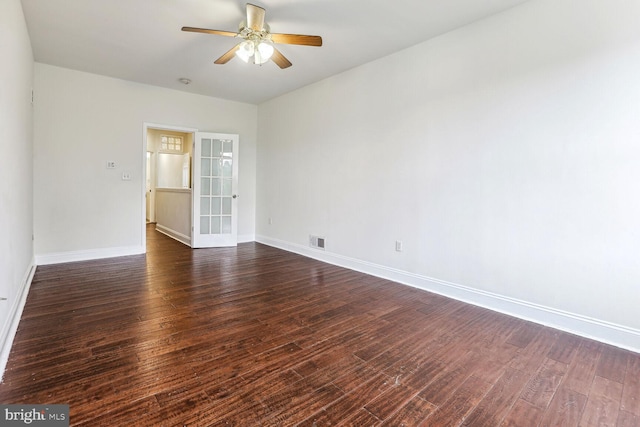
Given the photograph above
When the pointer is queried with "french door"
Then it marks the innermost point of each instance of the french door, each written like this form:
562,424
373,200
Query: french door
215,183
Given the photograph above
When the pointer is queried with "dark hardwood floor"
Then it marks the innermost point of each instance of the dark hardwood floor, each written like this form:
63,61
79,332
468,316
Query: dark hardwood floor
254,336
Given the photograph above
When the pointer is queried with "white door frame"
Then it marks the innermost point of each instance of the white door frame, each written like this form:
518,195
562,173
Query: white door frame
145,127
150,194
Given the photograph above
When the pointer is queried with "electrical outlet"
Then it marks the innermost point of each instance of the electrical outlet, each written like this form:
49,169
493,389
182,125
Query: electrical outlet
126,176
398,246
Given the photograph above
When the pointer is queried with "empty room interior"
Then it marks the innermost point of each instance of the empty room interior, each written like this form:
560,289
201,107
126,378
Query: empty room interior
321,213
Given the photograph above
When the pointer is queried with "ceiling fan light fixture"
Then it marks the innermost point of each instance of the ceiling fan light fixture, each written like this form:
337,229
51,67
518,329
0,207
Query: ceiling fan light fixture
265,50
246,50
261,51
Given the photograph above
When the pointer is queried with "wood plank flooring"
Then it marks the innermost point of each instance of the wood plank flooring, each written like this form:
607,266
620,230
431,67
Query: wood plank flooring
254,336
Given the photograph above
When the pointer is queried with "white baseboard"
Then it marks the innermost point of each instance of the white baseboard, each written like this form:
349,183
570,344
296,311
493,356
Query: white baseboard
243,238
86,255
90,254
10,328
246,238
599,330
176,235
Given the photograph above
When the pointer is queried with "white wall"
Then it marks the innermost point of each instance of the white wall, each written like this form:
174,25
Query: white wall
505,155
16,169
82,121
170,170
173,213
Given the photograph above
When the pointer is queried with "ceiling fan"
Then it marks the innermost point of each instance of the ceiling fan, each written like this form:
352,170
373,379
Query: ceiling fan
258,41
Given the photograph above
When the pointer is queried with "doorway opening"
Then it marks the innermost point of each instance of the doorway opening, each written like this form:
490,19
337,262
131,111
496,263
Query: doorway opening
167,154
190,190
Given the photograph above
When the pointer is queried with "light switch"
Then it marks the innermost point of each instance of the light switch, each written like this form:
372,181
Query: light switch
111,164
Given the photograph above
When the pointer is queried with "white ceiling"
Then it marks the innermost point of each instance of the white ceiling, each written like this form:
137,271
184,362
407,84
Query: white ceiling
141,41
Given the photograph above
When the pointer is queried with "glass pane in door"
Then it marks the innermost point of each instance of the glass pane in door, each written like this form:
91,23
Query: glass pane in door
215,175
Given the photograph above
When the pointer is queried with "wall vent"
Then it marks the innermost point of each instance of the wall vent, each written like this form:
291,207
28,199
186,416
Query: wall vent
316,242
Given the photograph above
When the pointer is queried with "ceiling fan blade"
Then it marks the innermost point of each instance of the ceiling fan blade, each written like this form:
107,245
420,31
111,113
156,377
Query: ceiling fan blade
228,55
280,59
207,31
255,17
296,39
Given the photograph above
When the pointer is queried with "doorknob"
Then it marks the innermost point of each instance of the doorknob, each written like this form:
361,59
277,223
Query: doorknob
235,196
